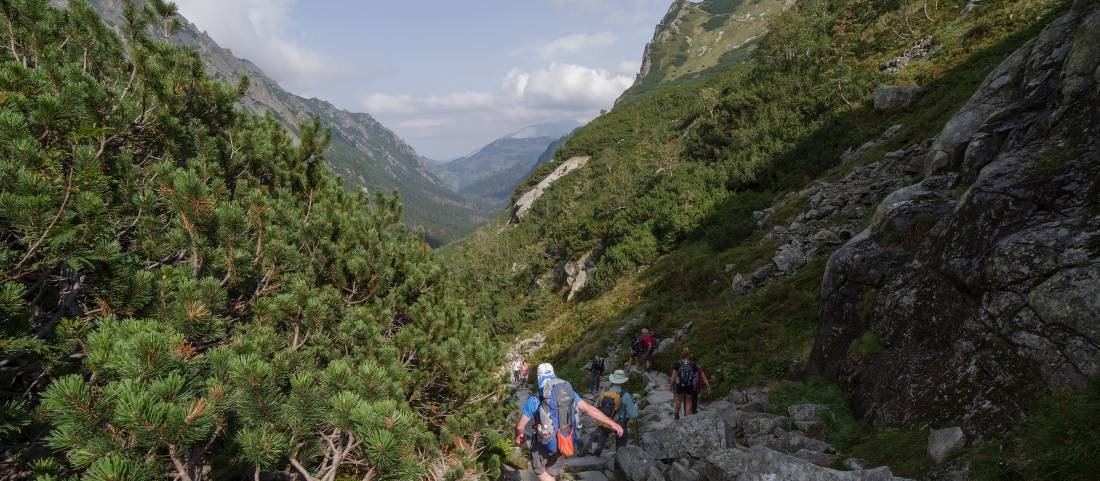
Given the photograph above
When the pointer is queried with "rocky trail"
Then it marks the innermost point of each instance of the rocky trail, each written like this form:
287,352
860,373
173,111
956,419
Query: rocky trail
731,439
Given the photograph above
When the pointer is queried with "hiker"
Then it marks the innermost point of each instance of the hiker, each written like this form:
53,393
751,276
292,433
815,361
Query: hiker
515,370
635,350
682,382
701,382
595,372
649,345
556,410
616,404
524,368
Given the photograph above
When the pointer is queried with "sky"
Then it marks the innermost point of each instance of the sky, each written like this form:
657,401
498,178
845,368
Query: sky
448,76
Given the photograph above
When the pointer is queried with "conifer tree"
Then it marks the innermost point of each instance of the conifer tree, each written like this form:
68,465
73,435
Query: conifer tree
186,291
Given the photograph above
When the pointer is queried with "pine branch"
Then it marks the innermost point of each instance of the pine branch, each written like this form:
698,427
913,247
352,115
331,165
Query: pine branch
53,222
301,470
181,469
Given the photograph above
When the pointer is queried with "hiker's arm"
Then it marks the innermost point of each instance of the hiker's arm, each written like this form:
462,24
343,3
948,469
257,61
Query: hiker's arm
673,378
703,376
600,417
520,426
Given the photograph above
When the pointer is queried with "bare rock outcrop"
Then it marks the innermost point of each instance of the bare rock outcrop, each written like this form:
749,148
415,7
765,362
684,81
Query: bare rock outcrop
528,199
982,280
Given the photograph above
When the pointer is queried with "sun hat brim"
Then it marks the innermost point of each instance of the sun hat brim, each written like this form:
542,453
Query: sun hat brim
618,379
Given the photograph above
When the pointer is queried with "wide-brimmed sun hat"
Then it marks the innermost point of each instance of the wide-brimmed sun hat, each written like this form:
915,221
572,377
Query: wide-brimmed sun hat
618,377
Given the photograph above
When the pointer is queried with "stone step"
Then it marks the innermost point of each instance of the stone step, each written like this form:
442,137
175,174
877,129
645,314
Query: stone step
512,474
586,463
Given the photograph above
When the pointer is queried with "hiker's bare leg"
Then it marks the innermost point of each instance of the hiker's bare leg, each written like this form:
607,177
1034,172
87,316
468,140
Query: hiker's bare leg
676,407
687,405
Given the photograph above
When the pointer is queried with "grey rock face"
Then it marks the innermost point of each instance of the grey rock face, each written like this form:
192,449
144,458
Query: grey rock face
586,463
835,211
981,282
762,464
682,471
942,442
524,203
694,436
890,98
922,49
576,273
635,465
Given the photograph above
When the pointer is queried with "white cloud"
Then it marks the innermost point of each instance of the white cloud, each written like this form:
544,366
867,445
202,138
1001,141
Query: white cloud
378,103
389,104
566,86
574,43
461,101
425,123
629,67
261,31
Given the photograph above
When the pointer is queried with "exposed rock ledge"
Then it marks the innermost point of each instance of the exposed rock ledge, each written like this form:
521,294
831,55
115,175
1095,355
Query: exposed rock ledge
528,199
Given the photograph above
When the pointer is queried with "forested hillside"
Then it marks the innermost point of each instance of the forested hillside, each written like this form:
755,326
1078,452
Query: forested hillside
362,151
802,219
187,291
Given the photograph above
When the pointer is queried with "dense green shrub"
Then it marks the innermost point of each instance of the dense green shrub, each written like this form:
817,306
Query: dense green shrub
186,289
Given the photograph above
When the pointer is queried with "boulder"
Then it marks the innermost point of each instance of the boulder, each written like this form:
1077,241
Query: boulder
891,98
821,459
942,442
725,465
806,412
512,474
586,463
592,476
807,417
763,464
695,436
793,442
660,396
681,471
755,424
790,257
636,465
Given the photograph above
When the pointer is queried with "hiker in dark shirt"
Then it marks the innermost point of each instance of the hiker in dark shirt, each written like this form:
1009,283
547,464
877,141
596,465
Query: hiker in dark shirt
682,383
649,347
595,373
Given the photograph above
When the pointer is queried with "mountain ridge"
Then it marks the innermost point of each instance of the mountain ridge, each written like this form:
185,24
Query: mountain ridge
492,172
364,152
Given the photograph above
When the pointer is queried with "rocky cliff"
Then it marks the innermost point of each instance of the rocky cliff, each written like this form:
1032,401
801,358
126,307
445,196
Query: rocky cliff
695,40
981,281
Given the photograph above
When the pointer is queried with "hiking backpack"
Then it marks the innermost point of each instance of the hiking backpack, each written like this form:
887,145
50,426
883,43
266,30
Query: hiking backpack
558,417
597,364
609,402
636,345
685,375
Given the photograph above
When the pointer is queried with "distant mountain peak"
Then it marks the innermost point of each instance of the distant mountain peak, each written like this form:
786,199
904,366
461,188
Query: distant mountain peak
553,129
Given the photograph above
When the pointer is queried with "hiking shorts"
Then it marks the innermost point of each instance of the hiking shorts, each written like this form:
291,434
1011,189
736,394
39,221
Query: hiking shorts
544,462
688,390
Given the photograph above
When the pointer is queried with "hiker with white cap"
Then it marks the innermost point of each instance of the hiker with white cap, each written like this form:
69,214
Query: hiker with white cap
616,404
556,411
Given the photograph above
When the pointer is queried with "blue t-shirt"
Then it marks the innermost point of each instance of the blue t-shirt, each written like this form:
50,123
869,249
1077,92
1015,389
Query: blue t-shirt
531,407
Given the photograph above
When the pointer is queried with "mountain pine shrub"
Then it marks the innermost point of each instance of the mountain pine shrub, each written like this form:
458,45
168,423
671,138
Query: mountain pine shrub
187,292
